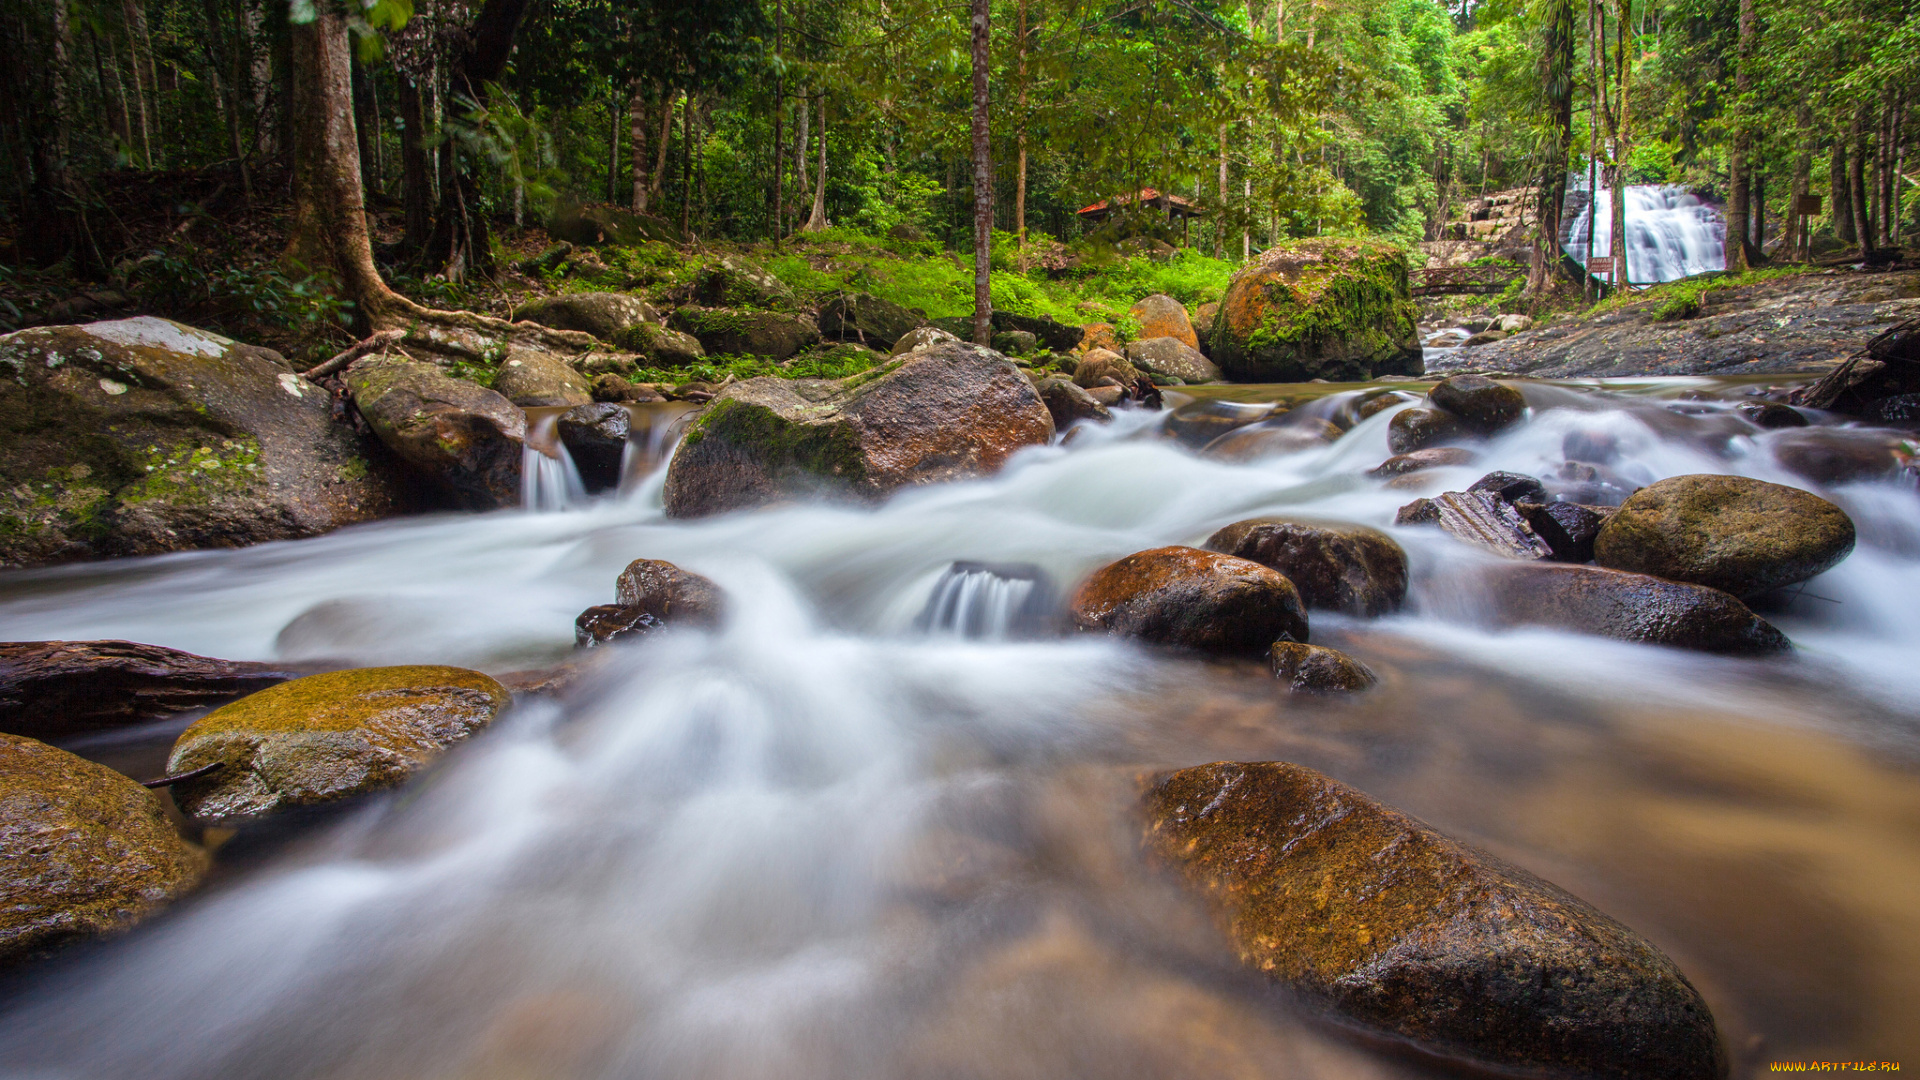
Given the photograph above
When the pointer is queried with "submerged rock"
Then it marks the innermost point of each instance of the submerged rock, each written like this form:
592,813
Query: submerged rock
1828,455
605,315
1391,925
532,378
1334,309
1438,457
59,689
1193,599
462,437
142,436
1290,433
87,851
328,737
1318,669
1161,316
1335,566
950,412
1732,533
1416,429
1629,607
1196,425
648,595
1481,405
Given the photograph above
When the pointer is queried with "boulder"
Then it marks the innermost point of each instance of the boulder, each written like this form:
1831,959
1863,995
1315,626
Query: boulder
772,334
1100,364
1335,566
1317,669
1480,518
142,436
605,315
732,282
1484,337
920,340
87,850
1629,607
1203,317
1288,433
1828,455
1568,528
1170,356
1068,404
950,412
1480,404
1771,415
1108,396
1100,336
1732,533
1511,486
1334,309
533,378
648,595
620,388
464,438
595,436
1438,457
1192,599
661,346
1015,343
1397,928
604,224
1514,324
1196,425
867,319
328,737
61,689
1420,429
1056,336
1161,316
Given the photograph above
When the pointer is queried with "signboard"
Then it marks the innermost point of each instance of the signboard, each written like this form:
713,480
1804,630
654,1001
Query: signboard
1600,264
1809,205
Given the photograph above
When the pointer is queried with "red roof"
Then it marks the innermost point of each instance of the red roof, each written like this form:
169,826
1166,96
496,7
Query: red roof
1146,195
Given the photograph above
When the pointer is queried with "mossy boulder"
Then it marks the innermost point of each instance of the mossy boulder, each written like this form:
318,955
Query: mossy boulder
604,224
1094,367
1171,357
603,314
1732,533
1395,927
536,378
87,851
1161,316
1191,599
731,282
948,412
775,335
142,436
1334,309
661,346
328,737
461,437
867,319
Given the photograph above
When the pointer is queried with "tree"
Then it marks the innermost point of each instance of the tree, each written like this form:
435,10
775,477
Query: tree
982,179
459,243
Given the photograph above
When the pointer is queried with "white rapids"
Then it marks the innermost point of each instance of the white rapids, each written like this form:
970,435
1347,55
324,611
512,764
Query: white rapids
1671,233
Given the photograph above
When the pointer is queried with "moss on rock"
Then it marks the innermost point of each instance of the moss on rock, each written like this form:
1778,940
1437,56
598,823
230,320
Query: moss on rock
1335,309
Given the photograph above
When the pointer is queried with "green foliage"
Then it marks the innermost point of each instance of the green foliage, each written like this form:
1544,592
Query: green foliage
829,363
255,294
1684,299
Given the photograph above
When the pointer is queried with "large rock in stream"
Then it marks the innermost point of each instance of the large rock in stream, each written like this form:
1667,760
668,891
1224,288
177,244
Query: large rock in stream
86,850
948,412
533,378
648,595
142,436
464,438
1334,309
1628,607
328,737
1336,566
1732,533
1389,924
1191,599
60,689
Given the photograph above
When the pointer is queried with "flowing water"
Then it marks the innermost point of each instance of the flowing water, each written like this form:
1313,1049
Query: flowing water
867,829
1671,233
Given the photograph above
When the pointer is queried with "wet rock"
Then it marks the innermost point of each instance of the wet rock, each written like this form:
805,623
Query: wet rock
1629,607
1161,316
1437,457
1479,518
1481,405
733,282
775,335
920,340
867,319
952,411
595,436
1837,456
87,851
1069,404
1515,324
1335,566
1590,485
1568,528
1393,926
1098,364
605,315
1323,308
1513,487
1598,447
1420,429
662,346
533,377
1196,425
328,737
1291,433
60,689
1731,533
1318,669
1170,356
1203,317
669,593
1900,410
1193,599
143,436
1015,343
1772,414
1890,367
1056,336
1372,405
464,438
1484,337
619,388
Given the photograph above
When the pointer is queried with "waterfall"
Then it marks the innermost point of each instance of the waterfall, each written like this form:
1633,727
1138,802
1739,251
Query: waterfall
1671,233
988,600
549,480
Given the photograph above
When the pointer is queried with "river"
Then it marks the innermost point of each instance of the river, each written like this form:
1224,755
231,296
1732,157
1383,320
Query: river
828,841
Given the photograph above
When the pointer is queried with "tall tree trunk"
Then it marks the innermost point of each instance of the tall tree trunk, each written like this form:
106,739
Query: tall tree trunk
1795,242
363,126
779,111
260,77
982,178
416,170
659,179
817,219
614,112
802,122
1841,189
1020,118
1857,181
1739,226
1757,210
1622,82
136,26
461,240
1556,82
114,101
637,145
1220,214
686,164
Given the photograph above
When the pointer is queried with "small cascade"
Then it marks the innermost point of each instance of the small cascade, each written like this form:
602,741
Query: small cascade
1671,234
549,480
652,437
989,601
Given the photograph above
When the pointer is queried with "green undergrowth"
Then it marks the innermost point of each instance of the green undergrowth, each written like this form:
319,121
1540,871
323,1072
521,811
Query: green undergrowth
835,363
1684,299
